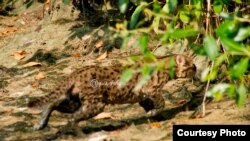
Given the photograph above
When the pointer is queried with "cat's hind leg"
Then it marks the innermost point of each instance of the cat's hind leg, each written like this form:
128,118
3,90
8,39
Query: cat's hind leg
47,112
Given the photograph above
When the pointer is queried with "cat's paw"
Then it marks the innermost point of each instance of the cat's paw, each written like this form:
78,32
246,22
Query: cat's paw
38,127
153,112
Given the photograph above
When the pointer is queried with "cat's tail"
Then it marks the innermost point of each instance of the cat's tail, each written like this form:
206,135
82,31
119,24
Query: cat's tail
39,102
60,91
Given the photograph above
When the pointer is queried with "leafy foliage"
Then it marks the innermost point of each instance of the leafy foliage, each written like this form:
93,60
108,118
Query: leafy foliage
221,29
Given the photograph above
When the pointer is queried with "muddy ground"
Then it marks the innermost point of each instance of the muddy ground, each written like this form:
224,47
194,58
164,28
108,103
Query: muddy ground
59,45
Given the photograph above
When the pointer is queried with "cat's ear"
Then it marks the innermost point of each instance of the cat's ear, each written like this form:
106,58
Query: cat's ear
180,60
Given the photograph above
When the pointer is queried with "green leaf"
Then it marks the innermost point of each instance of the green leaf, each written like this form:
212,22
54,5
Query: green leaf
149,57
226,1
156,23
171,67
242,95
123,5
227,29
239,68
172,4
231,45
126,76
169,6
218,90
184,16
231,91
133,58
135,16
198,49
219,60
143,43
198,9
211,47
243,33
146,73
141,82
160,65
183,33
165,37
207,75
156,8
217,6
226,16
238,1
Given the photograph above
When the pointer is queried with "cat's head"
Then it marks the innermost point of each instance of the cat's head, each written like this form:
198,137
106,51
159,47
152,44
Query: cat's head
184,66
